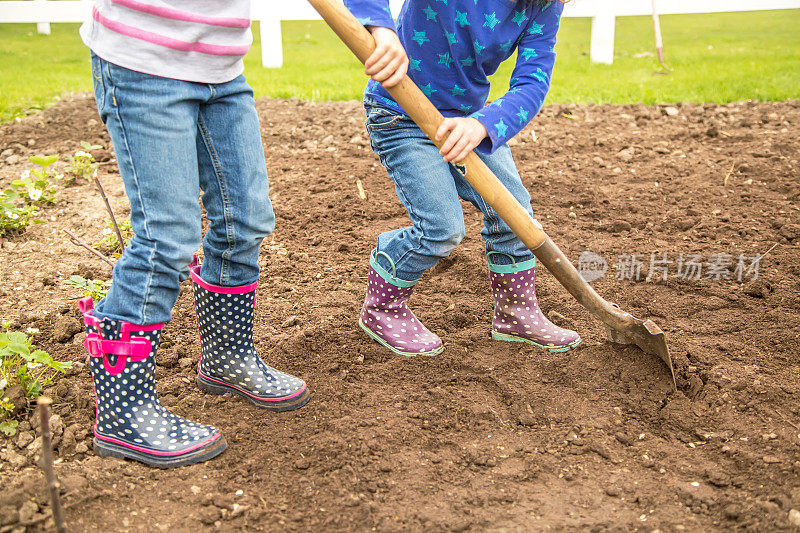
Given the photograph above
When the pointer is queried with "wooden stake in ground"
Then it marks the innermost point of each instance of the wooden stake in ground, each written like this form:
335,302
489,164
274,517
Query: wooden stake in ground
110,212
659,42
47,464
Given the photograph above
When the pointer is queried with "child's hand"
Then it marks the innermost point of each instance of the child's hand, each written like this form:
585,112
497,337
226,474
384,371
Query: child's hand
389,62
465,134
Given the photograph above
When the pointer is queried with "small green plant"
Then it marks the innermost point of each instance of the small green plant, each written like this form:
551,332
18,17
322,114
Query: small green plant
21,363
36,187
109,243
15,214
95,288
19,203
82,164
7,426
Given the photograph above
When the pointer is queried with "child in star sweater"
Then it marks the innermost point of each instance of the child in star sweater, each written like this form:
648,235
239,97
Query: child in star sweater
452,47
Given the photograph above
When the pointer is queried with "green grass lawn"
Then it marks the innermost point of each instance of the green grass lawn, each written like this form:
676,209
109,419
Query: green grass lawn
715,58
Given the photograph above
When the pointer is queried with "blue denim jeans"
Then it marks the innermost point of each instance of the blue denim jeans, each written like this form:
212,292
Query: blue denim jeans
430,189
173,138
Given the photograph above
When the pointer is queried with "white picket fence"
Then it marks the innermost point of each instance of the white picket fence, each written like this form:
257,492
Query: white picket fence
271,12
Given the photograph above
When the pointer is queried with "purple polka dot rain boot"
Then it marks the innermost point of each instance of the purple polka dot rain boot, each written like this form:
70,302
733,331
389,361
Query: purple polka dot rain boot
517,316
130,422
386,317
229,360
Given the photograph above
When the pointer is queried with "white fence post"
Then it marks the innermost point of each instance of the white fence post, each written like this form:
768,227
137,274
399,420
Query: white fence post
603,27
271,41
42,27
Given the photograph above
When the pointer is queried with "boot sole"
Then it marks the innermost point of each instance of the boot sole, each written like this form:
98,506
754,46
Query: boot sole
382,342
288,404
104,448
496,335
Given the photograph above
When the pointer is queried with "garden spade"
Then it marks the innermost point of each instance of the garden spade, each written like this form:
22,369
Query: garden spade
622,327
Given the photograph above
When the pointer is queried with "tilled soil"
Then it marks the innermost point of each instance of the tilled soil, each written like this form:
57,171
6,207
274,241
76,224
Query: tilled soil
488,435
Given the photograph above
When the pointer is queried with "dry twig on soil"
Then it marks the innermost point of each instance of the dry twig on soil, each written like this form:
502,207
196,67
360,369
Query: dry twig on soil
110,213
77,242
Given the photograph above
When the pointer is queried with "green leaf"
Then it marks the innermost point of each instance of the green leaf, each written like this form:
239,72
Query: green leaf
61,366
40,356
9,427
17,336
43,161
34,389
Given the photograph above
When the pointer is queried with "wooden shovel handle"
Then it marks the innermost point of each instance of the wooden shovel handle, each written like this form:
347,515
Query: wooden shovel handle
428,118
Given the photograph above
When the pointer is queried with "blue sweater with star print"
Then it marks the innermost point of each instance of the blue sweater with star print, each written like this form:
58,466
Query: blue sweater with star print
454,45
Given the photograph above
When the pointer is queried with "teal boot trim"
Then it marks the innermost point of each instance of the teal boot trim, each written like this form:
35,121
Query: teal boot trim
509,269
390,278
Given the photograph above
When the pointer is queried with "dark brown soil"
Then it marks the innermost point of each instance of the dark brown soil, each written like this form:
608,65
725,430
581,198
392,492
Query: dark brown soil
488,435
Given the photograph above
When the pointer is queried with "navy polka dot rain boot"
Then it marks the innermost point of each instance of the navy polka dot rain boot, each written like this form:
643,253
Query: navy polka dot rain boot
517,316
229,361
130,422
386,318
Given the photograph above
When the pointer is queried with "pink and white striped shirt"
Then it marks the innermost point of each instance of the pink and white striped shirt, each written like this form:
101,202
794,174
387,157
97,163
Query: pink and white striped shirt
193,40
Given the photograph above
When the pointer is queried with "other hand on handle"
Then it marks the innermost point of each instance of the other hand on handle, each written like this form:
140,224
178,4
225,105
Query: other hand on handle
465,134
389,62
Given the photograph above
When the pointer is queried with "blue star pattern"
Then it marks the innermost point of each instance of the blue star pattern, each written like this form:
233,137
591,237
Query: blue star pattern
427,89
520,17
501,128
540,75
454,44
420,37
536,29
457,91
491,20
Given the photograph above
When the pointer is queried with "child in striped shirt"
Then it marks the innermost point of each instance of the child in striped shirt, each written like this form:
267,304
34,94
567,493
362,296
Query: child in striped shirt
169,87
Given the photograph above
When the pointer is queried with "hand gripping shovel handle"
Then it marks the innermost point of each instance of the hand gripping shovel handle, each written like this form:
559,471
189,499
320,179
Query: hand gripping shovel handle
529,231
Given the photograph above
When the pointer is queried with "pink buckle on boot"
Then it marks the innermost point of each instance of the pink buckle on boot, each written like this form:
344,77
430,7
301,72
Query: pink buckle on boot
133,350
126,349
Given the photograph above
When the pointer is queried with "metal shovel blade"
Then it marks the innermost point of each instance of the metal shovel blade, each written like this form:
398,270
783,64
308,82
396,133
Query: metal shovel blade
646,335
622,327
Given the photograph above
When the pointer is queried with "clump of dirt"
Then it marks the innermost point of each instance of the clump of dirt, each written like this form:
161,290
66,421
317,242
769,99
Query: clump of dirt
488,435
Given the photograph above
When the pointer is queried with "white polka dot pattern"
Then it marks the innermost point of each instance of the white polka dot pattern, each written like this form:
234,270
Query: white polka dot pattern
386,318
517,313
228,355
128,411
